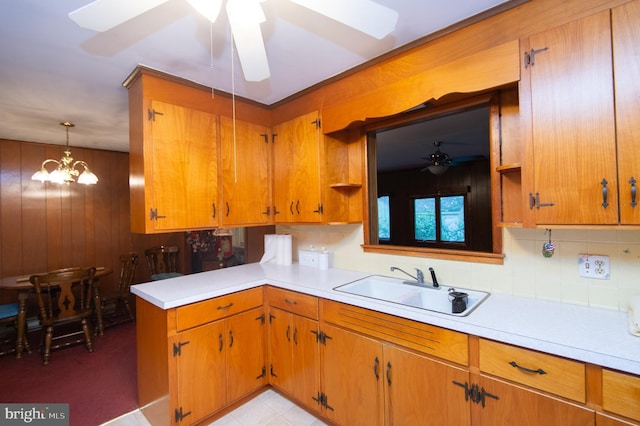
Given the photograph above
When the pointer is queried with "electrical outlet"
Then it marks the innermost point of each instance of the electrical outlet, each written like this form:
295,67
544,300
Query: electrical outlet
590,266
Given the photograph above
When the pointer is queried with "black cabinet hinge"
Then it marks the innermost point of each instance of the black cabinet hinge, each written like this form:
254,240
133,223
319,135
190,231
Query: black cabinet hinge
530,56
322,399
177,348
179,415
475,393
321,337
151,114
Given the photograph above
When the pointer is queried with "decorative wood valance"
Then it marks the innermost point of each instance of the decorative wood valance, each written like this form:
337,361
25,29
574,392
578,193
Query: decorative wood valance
487,69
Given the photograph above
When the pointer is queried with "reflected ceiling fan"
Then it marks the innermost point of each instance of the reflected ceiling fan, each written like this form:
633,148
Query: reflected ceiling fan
245,17
439,161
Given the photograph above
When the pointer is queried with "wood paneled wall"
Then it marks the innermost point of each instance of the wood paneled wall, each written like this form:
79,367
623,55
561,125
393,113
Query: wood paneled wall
49,226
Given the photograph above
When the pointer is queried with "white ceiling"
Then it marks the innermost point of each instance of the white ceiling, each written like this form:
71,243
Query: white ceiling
52,70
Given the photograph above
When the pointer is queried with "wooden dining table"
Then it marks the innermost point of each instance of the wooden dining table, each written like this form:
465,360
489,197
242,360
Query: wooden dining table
23,286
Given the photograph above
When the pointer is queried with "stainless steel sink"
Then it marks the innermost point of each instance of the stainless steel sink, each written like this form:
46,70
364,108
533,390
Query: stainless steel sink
398,291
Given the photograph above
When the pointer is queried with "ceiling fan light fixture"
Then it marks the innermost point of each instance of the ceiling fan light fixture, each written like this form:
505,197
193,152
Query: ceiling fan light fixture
365,16
440,161
438,169
210,9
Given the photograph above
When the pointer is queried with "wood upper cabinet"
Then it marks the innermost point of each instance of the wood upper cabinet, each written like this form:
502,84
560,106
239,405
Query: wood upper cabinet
296,170
573,127
174,177
245,161
626,65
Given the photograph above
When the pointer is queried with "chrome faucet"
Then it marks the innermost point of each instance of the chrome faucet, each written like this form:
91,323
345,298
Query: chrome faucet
419,278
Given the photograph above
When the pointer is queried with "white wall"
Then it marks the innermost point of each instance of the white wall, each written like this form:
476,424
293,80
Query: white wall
525,271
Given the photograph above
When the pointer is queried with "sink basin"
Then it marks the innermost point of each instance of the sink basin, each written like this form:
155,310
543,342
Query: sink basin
409,294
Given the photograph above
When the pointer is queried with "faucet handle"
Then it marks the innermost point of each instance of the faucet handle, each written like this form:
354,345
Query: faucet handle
420,275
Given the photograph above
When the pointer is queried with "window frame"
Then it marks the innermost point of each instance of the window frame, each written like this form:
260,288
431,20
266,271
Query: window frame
371,243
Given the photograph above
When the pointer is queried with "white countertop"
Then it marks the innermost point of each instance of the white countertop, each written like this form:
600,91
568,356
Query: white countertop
597,336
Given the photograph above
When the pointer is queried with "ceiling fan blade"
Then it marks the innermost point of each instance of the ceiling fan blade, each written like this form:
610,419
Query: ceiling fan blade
210,9
245,18
366,16
102,15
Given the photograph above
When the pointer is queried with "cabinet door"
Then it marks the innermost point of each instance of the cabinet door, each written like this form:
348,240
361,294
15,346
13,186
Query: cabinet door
520,406
297,170
246,367
306,360
280,356
421,391
353,377
199,357
184,178
245,153
573,123
626,64
294,356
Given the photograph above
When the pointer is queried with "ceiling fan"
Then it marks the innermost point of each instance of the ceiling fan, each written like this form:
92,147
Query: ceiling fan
439,161
245,17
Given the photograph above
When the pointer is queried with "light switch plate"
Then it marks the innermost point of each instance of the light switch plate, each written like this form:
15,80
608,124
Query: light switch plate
593,266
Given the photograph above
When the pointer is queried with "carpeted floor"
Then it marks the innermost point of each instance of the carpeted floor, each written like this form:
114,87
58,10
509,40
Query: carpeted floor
98,386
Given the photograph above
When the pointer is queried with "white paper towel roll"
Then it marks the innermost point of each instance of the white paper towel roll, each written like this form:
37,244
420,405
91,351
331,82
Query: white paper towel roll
270,249
287,249
277,249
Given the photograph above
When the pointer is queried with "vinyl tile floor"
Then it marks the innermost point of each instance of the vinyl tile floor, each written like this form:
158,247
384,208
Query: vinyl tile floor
267,409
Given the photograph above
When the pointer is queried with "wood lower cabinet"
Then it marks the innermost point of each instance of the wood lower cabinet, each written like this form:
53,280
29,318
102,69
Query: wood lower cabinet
352,378
195,360
217,364
511,404
355,366
423,391
621,394
387,383
294,357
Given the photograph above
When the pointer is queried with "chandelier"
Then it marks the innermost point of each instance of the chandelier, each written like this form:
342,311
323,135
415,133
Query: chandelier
66,170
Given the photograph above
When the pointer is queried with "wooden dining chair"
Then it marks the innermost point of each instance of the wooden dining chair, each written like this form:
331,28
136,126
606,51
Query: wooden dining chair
114,302
8,338
59,308
163,262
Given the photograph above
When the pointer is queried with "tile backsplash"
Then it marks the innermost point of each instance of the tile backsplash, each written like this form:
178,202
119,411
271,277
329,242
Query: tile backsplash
525,272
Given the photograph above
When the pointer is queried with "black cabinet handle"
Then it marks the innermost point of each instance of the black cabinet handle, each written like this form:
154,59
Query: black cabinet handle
605,193
225,306
633,202
389,373
288,331
221,342
230,338
527,370
376,369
